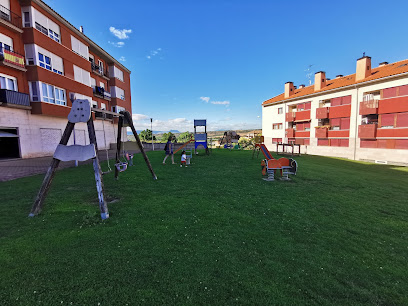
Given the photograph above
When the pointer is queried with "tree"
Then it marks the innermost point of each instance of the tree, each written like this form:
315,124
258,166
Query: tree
165,136
146,135
246,144
184,137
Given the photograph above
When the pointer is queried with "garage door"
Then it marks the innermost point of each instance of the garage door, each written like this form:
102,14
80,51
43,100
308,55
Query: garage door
50,138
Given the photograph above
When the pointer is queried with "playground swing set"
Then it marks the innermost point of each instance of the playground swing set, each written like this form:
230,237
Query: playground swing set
269,165
81,111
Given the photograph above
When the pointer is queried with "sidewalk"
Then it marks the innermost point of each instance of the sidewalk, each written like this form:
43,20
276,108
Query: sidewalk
11,169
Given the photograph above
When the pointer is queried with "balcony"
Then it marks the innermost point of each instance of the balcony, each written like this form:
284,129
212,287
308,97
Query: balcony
101,93
14,98
100,71
290,133
10,20
340,111
321,132
369,107
322,113
303,115
12,59
367,131
290,117
393,105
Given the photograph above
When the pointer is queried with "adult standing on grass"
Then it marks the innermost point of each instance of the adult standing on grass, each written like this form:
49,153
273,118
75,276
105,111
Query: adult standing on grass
169,150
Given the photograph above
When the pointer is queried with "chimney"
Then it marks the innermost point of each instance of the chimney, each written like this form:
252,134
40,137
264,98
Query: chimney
302,86
81,29
289,89
383,64
320,80
339,76
363,69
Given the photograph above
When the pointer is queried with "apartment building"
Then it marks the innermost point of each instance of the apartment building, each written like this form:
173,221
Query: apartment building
361,116
45,63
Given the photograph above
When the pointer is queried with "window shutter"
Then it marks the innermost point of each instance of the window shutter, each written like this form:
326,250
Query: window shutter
40,18
54,27
57,63
387,120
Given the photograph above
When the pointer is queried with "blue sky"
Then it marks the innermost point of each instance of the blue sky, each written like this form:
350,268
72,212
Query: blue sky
220,59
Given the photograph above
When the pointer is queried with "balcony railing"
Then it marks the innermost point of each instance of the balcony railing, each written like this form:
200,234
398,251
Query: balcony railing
290,133
11,57
290,116
367,131
11,17
97,69
369,107
321,131
14,97
322,113
101,93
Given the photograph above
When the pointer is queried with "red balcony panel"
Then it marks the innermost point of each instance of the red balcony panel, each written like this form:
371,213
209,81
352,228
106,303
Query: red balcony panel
290,116
338,133
367,131
303,115
402,120
321,132
389,92
393,105
403,132
290,133
299,141
368,143
322,112
401,144
48,109
369,107
340,111
302,133
322,142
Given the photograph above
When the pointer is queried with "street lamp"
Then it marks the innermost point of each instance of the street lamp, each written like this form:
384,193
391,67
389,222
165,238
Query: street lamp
151,128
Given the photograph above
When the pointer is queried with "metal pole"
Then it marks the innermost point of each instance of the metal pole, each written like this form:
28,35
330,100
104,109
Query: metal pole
151,128
76,162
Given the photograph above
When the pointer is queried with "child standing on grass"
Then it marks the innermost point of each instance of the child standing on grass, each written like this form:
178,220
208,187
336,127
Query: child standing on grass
183,159
169,150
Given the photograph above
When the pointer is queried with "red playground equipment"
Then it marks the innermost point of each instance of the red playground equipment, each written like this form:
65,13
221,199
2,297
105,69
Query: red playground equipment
270,165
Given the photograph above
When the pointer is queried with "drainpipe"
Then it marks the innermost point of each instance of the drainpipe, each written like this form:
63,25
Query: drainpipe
356,130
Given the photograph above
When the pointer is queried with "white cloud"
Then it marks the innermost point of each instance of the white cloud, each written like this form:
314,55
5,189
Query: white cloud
153,53
142,122
118,44
121,34
140,117
221,102
205,99
122,59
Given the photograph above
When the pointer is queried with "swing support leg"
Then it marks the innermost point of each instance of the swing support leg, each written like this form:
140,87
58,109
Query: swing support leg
37,206
128,120
103,207
118,146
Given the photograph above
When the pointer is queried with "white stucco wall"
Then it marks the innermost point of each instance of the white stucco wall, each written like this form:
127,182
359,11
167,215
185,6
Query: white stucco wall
353,151
39,135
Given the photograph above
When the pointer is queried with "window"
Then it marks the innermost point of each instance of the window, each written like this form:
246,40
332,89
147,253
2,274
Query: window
100,64
280,110
41,28
79,48
277,126
8,82
44,61
34,91
52,94
82,76
54,35
27,19
4,46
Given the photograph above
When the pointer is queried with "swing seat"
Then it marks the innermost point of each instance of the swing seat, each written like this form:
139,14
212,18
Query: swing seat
75,152
121,166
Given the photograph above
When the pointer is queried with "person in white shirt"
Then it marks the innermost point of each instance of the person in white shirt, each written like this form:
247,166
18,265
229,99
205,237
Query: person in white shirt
183,159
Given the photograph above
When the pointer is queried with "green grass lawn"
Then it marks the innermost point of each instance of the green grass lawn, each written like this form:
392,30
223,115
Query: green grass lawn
214,233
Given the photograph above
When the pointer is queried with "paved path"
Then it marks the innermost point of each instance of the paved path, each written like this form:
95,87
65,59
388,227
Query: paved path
16,168
11,169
